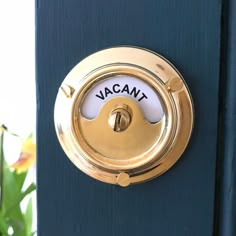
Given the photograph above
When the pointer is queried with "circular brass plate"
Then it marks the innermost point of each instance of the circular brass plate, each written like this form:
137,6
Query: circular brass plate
143,150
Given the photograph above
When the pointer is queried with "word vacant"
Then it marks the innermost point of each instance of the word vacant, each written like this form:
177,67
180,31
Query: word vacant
116,88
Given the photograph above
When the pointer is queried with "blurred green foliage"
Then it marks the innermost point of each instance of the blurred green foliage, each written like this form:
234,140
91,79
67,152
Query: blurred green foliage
13,220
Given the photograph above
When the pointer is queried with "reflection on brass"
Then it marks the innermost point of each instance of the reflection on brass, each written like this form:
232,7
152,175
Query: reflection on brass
123,179
119,146
118,149
67,90
174,84
120,118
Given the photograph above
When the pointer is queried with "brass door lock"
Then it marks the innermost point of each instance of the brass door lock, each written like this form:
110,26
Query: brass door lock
124,115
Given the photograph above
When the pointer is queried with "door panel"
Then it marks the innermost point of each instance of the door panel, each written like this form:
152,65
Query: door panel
180,202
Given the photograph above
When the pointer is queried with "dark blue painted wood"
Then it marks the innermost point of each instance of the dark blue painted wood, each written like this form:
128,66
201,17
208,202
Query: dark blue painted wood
225,219
179,203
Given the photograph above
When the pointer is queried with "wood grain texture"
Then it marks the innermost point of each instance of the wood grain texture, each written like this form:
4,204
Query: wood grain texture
179,203
225,214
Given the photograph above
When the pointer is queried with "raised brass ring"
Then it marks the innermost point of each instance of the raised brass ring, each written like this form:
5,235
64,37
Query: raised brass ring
144,150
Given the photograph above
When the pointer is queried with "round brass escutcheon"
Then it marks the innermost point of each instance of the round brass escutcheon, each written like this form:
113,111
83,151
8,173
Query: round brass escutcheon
124,115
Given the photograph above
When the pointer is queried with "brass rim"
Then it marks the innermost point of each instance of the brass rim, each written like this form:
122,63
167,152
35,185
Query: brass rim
163,151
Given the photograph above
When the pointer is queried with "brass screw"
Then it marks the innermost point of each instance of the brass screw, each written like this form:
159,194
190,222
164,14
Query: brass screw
67,90
174,84
120,118
123,179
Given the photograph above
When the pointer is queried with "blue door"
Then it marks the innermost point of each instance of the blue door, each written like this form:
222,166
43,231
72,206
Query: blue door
195,197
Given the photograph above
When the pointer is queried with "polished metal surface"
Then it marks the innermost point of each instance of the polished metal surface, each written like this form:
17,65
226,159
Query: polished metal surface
120,146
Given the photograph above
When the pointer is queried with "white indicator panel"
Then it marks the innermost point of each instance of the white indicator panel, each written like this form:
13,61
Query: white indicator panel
123,85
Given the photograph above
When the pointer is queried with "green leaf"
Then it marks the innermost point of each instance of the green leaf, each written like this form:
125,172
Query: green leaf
17,222
20,197
30,136
30,189
12,184
28,218
11,191
3,226
20,179
1,167
11,214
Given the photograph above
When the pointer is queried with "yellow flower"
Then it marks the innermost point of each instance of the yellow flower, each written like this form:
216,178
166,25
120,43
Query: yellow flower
27,157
